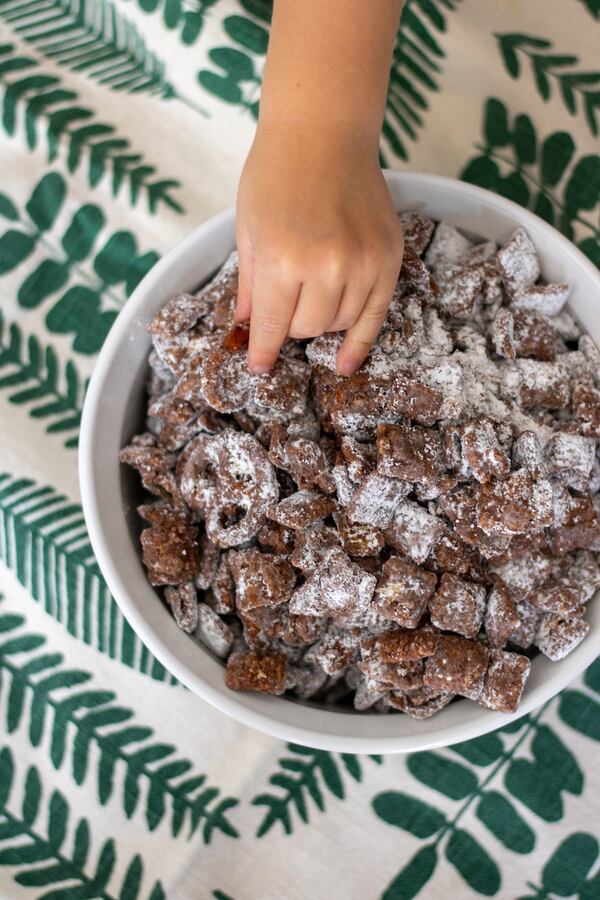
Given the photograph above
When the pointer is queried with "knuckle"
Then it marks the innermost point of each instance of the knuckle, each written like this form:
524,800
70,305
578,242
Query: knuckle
301,331
371,258
279,257
268,323
333,264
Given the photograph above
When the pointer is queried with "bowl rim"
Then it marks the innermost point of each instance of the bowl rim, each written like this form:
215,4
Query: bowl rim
223,699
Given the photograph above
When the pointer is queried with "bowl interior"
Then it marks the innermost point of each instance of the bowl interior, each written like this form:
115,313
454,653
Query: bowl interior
114,411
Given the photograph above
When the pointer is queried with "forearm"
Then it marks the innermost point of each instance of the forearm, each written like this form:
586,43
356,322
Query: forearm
328,66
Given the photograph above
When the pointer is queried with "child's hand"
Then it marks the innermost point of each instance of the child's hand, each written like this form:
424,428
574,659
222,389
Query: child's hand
319,242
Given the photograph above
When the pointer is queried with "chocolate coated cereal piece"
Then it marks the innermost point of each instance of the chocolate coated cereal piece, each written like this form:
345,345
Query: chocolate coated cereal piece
160,513
171,409
304,460
368,693
196,472
523,575
534,336
451,554
261,579
213,631
189,388
586,408
501,618
405,676
245,489
312,545
525,633
321,352
565,452
527,453
421,703
556,598
413,531
301,509
503,334
251,671
448,247
417,230
154,466
180,314
482,451
344,486
411,453
458,606
264,625
517,505
505,681
225,380
285,387
360,458
401,646
461,292
338,588
483,252
357,539
335,650
536,383
170,552
274,538
185,350
374,501
583,575
415,276
403,591
457,667
386,397
173,437
302,630
518,262
460,506
223,588
209,560
558,636
183,603
547,299
308,681
580,527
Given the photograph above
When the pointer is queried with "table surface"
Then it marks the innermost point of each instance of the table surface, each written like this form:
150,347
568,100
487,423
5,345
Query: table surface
125,124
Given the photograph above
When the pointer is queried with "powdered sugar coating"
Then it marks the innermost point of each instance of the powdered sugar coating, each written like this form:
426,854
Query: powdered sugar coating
547,299
451,484
413,531
518,262
213,631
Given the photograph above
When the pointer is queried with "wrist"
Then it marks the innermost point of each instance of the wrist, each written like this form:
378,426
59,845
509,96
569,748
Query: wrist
313,137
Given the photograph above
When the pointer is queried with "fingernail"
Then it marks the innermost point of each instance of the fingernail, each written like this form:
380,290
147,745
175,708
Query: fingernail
259,369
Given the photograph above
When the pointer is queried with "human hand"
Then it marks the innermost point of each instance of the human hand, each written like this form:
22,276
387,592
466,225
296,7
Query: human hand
320,245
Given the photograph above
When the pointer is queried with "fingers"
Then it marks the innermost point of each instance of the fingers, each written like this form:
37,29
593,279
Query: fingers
273,305
352,303
361,336
317,306
244,296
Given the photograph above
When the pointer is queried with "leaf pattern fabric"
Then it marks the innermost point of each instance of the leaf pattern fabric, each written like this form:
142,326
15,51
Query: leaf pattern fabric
124,124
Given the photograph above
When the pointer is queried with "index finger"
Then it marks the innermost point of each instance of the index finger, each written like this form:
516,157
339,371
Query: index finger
273,305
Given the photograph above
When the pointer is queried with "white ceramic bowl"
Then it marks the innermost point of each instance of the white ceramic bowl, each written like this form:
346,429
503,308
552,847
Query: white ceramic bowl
114,412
